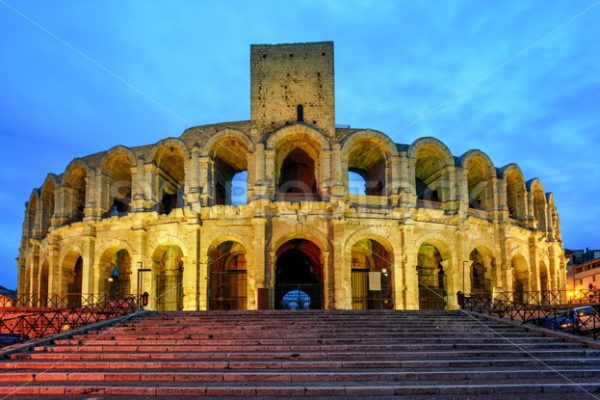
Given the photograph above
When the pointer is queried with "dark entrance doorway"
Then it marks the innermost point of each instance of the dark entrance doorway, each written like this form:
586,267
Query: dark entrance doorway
298,276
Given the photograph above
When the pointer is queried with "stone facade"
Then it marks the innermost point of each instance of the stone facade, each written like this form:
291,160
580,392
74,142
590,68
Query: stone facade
163,219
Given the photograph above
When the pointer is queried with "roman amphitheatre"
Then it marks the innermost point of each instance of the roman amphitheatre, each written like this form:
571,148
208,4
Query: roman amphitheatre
345,215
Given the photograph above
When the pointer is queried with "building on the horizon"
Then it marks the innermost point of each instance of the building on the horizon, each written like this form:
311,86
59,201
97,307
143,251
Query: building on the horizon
166,218
583,270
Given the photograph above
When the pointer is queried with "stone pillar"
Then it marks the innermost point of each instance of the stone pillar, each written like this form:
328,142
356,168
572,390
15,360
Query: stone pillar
337,173
89,255
399,280
328,296
408,190
325,174
270,276
203,282
452,282
190,287
460,192
192,180
270,173
256,269
203,180
342,270
534,273
410,262
92,197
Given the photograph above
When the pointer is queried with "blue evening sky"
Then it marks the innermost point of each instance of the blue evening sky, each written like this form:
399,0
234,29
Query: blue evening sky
518,79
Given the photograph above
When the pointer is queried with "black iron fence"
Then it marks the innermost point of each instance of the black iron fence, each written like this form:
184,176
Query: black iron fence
27,326
572,315
55,300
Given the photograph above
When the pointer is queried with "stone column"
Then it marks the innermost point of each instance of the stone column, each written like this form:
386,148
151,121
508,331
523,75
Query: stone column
203,180
256,269
203,282
270,173
190,287
410,261
452,283
342,271
192,179
270,277
325,174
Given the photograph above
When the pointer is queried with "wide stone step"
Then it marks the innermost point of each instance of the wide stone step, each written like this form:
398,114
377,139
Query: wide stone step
286,376
301,341
360,389
373,347
206,355
304,364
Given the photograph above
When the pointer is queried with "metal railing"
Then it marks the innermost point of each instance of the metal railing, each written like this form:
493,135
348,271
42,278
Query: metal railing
55,300
577,318
27,326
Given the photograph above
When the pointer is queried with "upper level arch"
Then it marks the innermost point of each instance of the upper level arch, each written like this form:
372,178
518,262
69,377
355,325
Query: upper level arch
229,152
116,166
48,201
432,157
31,214
553,218
481,180
74,186
538,202
169,157
368,154
516,191
298,167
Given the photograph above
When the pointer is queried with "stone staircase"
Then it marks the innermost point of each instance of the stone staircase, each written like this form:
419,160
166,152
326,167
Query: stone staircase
416,354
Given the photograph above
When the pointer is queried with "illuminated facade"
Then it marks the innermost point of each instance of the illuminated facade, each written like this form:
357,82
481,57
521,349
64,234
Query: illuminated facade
161,218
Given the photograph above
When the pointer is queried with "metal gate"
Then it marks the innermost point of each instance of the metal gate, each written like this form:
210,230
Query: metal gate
365,299
431,298
228,290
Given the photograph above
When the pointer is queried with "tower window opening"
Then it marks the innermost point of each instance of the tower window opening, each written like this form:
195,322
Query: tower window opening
300,112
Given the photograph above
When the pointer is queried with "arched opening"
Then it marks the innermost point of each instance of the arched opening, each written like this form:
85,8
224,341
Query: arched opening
539,205
367,160
72,279
228,278
520,279
168,272
432,279
515,194
230,171
31,216
544,284
371,276
297,179
115,274
480,184
429,175
74,183
117,169
48,193
44,275
170,172
299,276
482,272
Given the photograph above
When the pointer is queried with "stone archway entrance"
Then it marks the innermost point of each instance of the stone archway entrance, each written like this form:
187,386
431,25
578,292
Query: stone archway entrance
227,277
371,276
299,276
432,279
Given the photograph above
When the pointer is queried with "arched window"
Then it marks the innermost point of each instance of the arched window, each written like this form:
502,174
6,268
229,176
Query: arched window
367,159
297,180
229,175
117,168
170,162
75,192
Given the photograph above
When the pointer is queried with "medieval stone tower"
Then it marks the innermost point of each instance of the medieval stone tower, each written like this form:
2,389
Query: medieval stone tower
344,215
